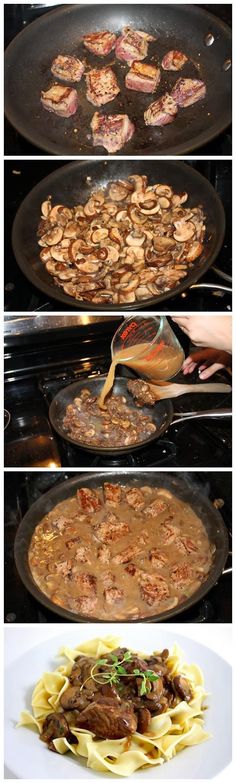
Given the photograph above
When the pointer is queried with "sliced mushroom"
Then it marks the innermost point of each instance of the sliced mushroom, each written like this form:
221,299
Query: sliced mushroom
70,229
98,197
45,254
195,251
163,243
180,199
115,236
184,231
140,182
99,235
126,296
164,190
90,209
46,207
112,253
117,191
60,253
88,267
164,202
121,215
54,236
112,209
151,207
135,239
136,216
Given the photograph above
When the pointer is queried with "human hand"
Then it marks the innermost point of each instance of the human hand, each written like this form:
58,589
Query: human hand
205,330
208,360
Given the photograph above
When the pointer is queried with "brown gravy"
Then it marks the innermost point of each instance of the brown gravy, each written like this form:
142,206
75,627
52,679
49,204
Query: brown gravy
157,362
120,553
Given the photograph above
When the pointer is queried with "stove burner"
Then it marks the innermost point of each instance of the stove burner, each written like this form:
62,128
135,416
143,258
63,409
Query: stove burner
159,453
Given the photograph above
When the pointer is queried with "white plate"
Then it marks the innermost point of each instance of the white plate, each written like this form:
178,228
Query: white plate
27,757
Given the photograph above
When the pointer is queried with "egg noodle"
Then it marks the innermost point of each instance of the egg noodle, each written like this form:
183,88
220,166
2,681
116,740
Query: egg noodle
169,733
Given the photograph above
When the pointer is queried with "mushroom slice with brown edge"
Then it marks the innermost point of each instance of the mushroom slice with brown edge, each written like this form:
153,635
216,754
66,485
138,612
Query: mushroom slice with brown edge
184,230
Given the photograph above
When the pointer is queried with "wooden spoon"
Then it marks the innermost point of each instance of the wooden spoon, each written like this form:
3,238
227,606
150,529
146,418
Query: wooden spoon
164,392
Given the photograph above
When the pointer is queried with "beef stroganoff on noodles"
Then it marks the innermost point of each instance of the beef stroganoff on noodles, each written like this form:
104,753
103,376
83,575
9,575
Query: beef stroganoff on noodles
73,712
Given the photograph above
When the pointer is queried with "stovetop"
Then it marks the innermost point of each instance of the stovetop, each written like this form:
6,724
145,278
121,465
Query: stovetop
18,16
22,489
35,373
22,296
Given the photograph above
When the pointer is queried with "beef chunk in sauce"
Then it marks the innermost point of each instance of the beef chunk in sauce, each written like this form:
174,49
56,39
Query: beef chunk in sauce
111,529
89,500
109,719
112,493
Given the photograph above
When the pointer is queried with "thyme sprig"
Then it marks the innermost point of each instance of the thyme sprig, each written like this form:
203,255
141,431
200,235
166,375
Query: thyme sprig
116,671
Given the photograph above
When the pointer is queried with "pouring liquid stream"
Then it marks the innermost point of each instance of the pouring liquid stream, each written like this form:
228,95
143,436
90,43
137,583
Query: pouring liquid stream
158,363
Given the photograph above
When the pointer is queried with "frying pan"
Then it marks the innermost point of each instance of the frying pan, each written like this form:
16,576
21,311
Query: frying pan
182,486
69,185
184,27
162,414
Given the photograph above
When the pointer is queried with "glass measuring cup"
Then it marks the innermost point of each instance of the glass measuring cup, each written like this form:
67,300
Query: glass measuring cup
149,346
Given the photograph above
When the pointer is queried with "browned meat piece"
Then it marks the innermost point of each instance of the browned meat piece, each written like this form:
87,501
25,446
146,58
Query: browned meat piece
113,595
169,533
110,691
88,500
161,112
54,726
82,555
84,604
111,529
142,392
157,558
104,554
157,507
111,131
188,91
109,719
69,69
112,493
128,553
102,86
132,45
144,720
174,60
181,575
142,77
131,569
61,100
100,43
134,497
87,584
182,687
153,588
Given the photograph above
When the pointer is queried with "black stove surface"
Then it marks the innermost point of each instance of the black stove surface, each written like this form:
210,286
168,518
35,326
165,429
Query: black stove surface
22,489
22,296
35,374
18,16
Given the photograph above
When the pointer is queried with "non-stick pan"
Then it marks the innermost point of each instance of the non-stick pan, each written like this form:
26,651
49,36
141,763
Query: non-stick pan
185,27
162,414
184,486
70,185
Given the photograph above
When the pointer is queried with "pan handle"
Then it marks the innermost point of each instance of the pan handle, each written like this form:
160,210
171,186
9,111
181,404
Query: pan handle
220,413
213,286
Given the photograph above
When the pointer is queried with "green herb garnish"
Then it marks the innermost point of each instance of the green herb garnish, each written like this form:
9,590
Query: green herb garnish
116,672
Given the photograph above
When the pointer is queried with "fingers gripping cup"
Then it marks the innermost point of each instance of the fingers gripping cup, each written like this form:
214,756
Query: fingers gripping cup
148,346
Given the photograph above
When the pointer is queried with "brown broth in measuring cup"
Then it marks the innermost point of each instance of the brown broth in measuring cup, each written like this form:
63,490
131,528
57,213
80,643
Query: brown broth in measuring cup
158,357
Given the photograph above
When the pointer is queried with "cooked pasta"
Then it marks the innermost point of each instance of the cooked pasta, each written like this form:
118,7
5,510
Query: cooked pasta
168,733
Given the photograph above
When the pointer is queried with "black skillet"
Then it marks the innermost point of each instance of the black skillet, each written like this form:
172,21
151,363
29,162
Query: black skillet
185,27
69,185
184,486
162,414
